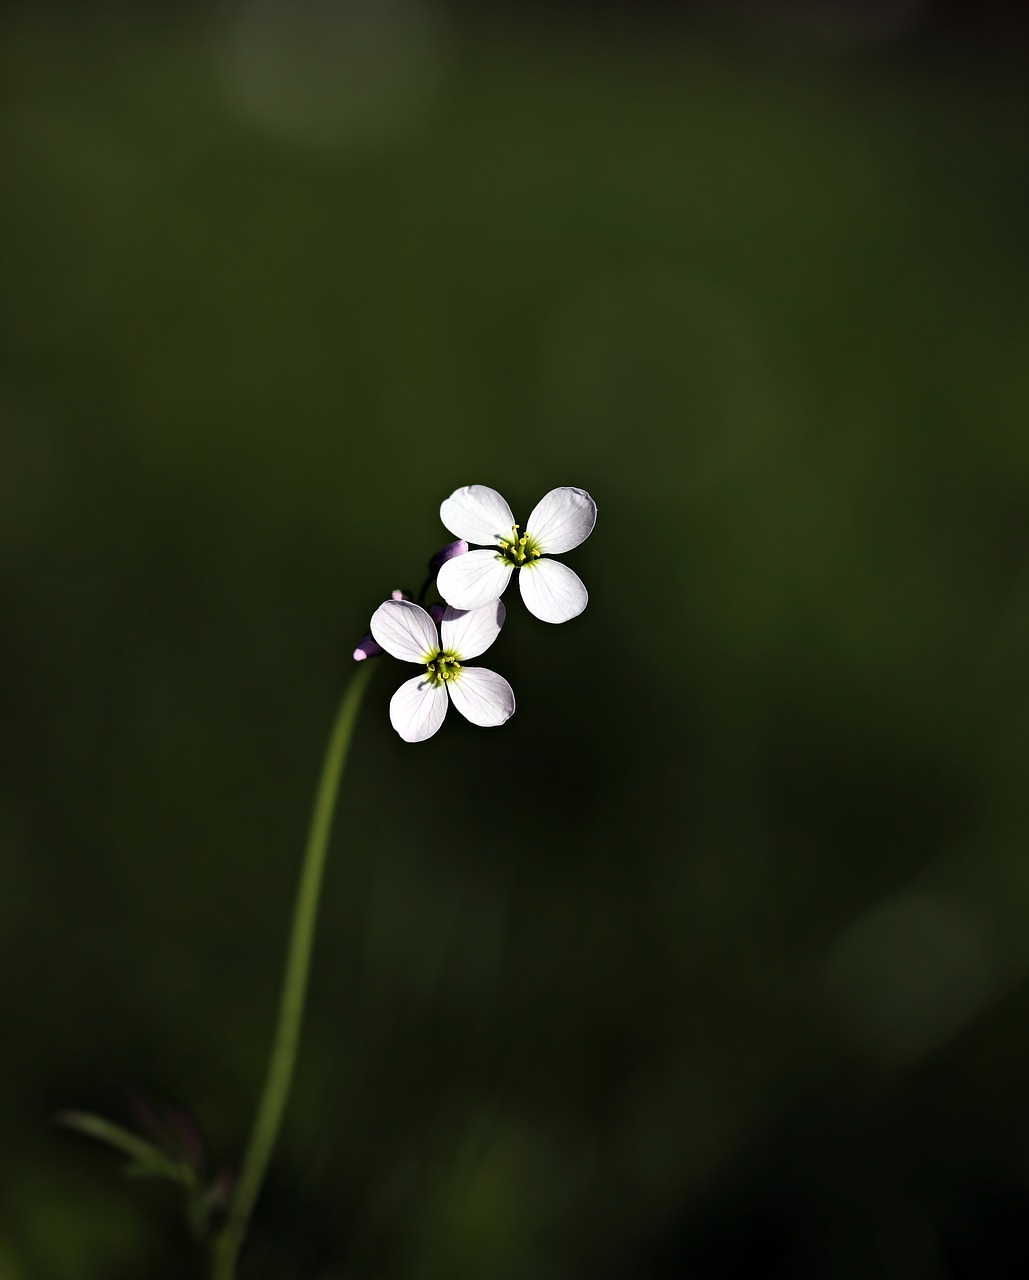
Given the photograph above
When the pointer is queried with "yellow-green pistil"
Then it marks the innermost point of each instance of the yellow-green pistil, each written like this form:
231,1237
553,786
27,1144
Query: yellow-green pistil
443,667
518,550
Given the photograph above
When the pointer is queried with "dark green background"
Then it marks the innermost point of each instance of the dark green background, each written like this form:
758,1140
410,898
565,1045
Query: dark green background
712,963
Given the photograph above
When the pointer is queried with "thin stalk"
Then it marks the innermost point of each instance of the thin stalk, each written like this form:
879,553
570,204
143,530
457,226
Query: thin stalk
268,1120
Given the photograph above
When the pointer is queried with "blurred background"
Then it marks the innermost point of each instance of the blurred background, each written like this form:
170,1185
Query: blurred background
713,962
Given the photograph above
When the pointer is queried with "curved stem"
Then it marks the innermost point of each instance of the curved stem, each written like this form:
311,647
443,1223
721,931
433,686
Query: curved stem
294,987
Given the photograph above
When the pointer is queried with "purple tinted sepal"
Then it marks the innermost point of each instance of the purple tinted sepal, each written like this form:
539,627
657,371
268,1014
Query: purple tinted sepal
436,612
452,549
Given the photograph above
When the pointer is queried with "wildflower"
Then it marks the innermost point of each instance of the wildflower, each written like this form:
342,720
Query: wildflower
559,521
409,633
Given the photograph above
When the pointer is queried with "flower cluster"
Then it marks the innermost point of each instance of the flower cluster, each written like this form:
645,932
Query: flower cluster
443,637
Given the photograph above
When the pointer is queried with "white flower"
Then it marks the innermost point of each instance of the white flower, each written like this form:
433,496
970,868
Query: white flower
406,631
558,522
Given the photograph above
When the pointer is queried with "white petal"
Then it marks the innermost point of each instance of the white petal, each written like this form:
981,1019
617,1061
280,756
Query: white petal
482,696
473,580
469,632
561,520
405,631
417,709
552,591
477,514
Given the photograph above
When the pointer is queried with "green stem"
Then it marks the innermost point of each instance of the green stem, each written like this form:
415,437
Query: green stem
294,987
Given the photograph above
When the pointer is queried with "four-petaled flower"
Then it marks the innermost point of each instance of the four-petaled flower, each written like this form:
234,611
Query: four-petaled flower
559,521
407,631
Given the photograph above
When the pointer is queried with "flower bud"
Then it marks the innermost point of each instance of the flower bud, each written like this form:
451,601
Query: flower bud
446,553
366,648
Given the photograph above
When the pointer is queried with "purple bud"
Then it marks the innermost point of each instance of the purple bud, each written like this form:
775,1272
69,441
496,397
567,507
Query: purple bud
366,648
146,1118
446,553
190,1139
400,595
219,1193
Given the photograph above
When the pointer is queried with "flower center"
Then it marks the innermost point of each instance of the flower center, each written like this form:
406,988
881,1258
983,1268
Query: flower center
442,668
518,550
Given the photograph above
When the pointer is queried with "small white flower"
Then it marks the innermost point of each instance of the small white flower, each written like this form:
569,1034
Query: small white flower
406,631
559,521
